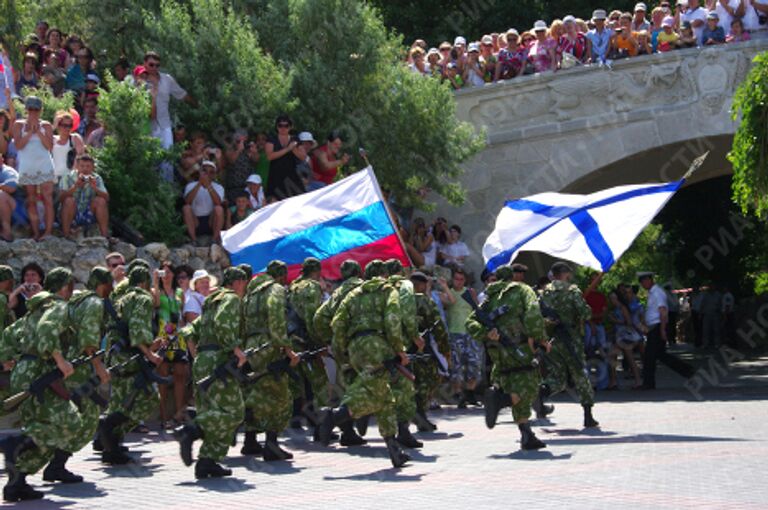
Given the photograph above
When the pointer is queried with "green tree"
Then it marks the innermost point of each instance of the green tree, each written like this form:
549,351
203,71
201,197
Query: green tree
129,163
51,103
749,153
347,72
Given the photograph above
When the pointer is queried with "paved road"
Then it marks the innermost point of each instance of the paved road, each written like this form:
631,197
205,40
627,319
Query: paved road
655,450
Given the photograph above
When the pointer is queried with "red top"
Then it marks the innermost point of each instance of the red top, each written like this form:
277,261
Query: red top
598,303
317,173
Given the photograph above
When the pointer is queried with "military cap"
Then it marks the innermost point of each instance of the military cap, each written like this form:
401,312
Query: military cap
98,276
277,268
418,276
374,268
394,266
138,275
6,273
519,268
645,274
248,270
56,279
350,268
559,268
134,263
505,273
310,265
232,274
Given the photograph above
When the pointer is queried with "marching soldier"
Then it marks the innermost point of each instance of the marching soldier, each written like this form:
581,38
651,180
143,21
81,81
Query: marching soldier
130,333
403,389
268,402
219,409
514,372
427,373
86,324
351,273
306,295
564,306
8,342
48,425
367,333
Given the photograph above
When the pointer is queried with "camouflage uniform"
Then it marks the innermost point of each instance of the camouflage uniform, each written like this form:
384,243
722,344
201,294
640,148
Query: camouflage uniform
9,342
562,367
86,323
220,409
515,375
402,388
53,423
306,296
367,332
268,401
427,377
135,307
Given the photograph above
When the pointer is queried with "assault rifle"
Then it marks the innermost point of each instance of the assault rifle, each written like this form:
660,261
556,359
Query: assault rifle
561,331
228,369
488,320
431,348
53,379
283,365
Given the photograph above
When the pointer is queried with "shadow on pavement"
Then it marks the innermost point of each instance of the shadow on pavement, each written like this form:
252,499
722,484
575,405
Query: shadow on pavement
591,432
79,490
642,438
257,465
382,475
45,504
439,436
531,455
134,470
225,484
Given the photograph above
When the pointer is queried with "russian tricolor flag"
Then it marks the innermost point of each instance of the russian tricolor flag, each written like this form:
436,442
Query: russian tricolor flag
346,220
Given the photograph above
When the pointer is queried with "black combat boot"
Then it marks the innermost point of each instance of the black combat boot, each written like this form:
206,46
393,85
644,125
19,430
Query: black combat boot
361,424
420,420
56,470
208,468
251,445
396,454
17,488
272,450
348,435
543,410
13,446
113,453
186,435
97,444
331,418
589,420
528,440
492,405
405,438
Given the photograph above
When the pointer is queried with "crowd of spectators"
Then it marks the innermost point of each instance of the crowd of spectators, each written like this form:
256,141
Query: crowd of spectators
599,40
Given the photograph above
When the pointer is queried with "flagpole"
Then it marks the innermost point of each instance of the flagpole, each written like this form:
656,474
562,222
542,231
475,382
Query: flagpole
389,211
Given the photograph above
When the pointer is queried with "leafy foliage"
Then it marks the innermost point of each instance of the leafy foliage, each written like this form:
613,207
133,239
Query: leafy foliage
51,103
129,162
749,153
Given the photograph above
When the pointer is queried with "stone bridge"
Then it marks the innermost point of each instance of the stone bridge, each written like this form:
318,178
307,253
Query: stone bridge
587,128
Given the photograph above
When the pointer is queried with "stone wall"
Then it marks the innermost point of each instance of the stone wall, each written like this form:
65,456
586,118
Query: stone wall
83,254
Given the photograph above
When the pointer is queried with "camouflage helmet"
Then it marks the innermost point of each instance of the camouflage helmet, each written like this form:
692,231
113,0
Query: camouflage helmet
505,273
277,268
138,275
350,268
374,268
310,265
6,273
394,266
232,274
134,263
56,279
248,270
560,268
98,276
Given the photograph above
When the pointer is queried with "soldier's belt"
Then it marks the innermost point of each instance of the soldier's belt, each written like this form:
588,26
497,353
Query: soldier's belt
29,357
367,332
516,370
260,331
208,347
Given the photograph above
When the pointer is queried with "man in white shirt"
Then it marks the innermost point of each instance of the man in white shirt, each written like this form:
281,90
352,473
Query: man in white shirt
163,87
203,210
454,252
697,16
656,318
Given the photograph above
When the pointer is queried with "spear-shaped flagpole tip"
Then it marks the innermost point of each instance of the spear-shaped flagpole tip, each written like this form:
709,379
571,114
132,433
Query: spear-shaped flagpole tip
695,165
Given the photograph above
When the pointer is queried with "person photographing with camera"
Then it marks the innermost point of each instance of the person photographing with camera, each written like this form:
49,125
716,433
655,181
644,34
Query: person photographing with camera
84,198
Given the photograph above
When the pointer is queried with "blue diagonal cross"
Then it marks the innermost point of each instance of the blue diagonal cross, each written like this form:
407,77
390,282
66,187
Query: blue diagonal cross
581,219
